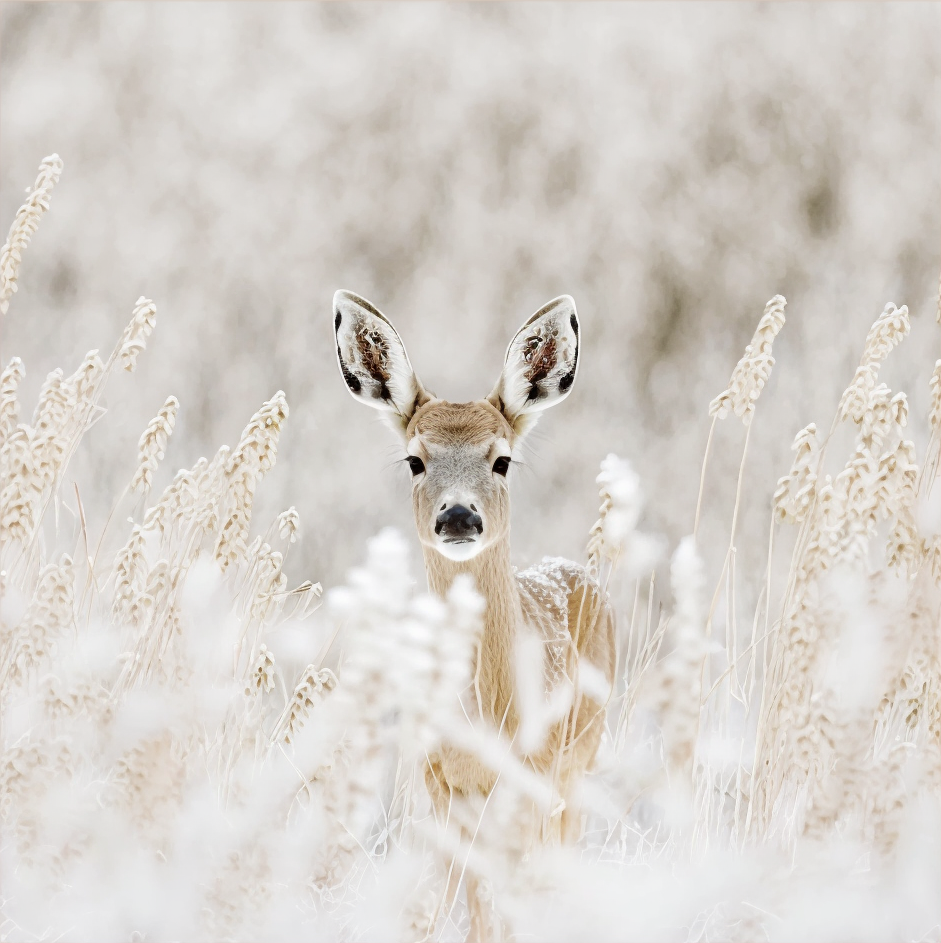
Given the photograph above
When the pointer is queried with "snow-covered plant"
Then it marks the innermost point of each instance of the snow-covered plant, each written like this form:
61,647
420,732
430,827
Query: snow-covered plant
614,536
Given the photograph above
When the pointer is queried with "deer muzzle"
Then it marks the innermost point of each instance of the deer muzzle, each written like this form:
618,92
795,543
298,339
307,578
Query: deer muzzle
458,524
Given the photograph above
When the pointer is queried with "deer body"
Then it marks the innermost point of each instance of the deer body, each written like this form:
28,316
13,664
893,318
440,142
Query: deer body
459,455
556,603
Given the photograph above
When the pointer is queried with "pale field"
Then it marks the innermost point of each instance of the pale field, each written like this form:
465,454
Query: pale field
772,770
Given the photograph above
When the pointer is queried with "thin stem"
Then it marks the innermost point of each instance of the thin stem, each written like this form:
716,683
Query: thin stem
702,478
730,551
738,488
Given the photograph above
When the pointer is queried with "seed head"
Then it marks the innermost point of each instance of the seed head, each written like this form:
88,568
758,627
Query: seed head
795,491
25,223
141,326
153,444
10,380
887,331
752,371
289,523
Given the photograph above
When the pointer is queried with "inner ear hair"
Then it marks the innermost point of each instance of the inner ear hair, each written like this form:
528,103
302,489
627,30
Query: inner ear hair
541,363
373,361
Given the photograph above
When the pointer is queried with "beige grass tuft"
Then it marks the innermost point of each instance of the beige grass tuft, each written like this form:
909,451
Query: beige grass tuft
25,225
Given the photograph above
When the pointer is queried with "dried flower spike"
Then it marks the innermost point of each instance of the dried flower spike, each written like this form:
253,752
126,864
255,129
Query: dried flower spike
153,444
50,612
795,490
134,340
314,685
752,371
130,573
888,331
24,225
85,379
53,405
935,383
614,536
261,676
10,380
677,695
289,523
255,454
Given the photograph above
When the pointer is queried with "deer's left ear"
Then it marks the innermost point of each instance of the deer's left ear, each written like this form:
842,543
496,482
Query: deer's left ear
541,363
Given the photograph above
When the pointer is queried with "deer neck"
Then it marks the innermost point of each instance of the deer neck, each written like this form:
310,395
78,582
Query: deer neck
495,581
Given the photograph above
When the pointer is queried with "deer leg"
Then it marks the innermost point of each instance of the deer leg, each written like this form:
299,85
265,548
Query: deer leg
477,933
572,826
451,889
440,793
485,925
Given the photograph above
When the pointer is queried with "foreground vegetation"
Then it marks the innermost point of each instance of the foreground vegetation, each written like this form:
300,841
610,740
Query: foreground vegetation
771,776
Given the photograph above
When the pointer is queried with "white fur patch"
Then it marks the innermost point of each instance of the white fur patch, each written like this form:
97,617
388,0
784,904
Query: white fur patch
459,552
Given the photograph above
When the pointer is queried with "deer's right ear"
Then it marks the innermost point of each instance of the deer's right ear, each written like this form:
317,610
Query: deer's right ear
540,366
373,361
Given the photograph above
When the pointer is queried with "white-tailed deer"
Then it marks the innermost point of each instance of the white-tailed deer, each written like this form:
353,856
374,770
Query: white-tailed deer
459,455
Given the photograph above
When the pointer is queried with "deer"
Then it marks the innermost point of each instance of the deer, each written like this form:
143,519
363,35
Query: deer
460,456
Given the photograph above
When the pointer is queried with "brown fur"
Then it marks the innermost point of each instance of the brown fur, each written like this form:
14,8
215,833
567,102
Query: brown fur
572,743
511,607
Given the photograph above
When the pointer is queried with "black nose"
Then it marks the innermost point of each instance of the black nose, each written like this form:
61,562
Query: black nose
458,521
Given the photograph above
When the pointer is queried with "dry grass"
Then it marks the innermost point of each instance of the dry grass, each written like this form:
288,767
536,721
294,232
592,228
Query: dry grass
183,758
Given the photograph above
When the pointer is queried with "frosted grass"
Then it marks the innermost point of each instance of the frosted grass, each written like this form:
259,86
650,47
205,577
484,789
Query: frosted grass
180,725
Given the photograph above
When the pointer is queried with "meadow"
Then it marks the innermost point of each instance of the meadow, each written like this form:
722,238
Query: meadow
195,746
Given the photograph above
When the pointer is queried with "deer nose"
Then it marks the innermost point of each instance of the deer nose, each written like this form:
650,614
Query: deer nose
458,521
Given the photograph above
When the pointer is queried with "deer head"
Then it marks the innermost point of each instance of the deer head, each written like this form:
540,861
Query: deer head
459,454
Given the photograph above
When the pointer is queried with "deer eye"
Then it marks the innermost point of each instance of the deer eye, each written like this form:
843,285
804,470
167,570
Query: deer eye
416,465
501,466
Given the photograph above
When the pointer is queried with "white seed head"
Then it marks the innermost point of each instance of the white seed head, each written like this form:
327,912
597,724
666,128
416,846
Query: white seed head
258,444
255,454
262,674
408,654
935,384
130,574
10,379
53,405
796,490
84,382
50,612
312,687
677,691
265,580
25,223
141,326
887,331
614,536
289,523
153,444
752,371
175,504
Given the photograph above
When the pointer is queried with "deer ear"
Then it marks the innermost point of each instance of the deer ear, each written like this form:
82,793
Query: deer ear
541,363
373,361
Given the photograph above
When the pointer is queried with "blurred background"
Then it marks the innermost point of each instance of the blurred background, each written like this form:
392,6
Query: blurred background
670,165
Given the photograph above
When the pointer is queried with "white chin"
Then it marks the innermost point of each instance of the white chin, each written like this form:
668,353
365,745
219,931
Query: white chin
459,551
